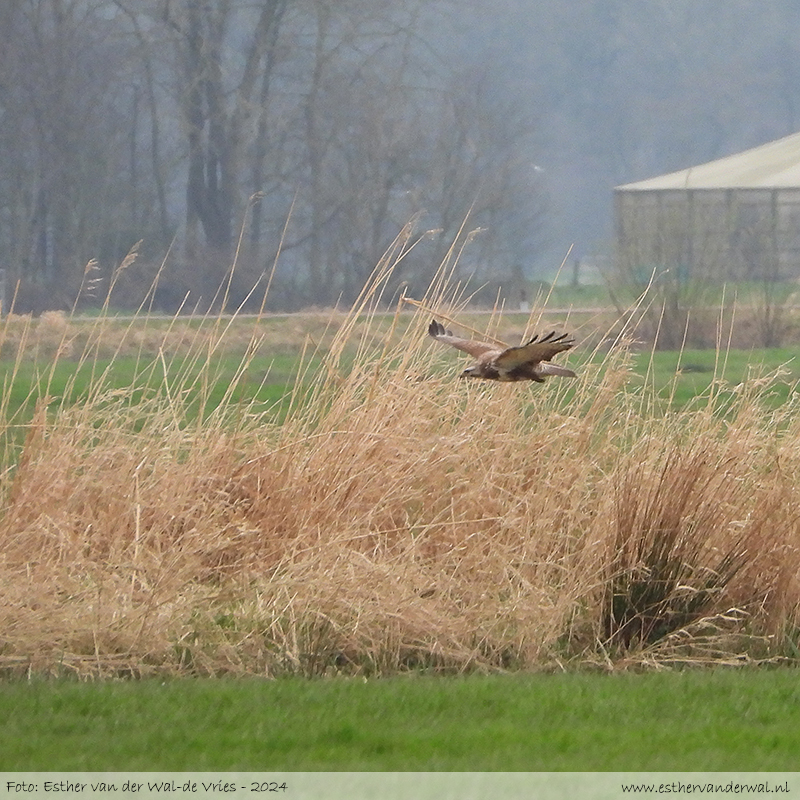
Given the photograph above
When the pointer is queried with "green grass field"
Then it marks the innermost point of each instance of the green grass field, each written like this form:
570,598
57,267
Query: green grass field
682,378
676,378
177,569
745,720
266,382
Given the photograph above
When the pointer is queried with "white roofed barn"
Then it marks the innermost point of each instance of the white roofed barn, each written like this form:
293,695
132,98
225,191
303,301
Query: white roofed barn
736,218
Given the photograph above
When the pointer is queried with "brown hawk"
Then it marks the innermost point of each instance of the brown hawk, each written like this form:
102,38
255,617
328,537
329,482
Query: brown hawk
528,362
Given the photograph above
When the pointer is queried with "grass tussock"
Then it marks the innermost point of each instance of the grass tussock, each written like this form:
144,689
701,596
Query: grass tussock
397,518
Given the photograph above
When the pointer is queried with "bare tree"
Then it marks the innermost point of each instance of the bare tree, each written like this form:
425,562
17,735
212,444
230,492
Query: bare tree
220,87
392,134
483,169
121,116
64,134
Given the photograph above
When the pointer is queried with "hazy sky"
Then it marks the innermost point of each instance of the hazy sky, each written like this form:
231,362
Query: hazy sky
628,89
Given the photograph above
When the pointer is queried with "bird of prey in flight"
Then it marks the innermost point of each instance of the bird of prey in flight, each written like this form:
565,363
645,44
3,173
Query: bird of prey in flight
528,362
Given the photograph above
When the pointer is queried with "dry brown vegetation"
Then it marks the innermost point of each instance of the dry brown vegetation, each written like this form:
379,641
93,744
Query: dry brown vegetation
398,518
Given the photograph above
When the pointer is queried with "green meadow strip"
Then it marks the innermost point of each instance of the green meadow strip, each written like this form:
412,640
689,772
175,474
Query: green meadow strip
747,720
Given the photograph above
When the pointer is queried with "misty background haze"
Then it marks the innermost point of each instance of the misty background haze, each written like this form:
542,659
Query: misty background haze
159,120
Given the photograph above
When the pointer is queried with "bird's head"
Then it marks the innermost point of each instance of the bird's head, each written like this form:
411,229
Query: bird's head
470,372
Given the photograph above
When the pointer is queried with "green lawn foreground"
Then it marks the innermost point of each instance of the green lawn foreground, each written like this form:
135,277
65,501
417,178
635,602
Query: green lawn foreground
715,720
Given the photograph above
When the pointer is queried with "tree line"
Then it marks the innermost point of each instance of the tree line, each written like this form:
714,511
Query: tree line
307,131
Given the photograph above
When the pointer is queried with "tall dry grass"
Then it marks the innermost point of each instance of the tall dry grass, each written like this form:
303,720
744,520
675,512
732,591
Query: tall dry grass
398,518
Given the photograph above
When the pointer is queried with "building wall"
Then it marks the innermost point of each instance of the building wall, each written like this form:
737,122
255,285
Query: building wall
709,234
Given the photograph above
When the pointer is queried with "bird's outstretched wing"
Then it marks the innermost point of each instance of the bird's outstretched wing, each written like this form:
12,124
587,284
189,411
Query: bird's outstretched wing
534,351
474,348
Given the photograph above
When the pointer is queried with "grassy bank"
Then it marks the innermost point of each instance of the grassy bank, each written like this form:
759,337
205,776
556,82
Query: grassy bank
695,721
390,517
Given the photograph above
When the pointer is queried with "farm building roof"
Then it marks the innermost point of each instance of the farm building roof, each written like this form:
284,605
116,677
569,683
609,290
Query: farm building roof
775,165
